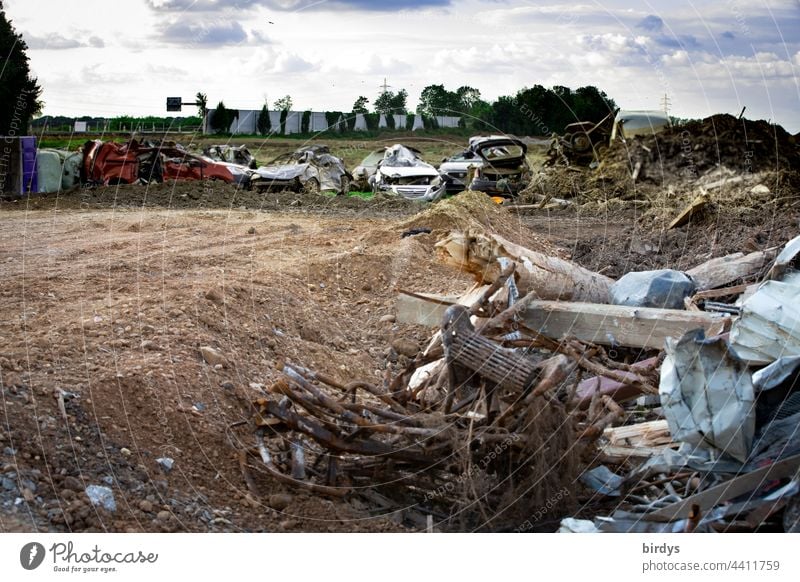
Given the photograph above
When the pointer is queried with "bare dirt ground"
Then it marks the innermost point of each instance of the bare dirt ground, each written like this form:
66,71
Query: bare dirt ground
112,306
109,294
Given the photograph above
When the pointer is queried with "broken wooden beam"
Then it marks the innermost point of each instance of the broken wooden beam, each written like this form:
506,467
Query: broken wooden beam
549,277
722,271
610,325
617,325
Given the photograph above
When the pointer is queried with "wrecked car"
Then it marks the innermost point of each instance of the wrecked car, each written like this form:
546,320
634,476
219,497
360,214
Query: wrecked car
237,155
505,170
582,143
455,170
366,169
500,167
310,168
403,172
108,164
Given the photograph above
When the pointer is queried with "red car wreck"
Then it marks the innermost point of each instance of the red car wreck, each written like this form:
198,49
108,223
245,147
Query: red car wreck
109,163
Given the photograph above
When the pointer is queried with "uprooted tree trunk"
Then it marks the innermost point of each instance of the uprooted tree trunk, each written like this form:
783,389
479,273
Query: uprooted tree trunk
549,277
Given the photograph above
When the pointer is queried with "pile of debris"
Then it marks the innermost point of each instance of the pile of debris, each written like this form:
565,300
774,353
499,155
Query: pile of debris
731,165
664,401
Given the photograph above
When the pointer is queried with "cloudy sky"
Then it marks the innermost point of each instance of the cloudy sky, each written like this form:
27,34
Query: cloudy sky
97,57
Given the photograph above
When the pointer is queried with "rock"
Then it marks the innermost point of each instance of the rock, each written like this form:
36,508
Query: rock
72,483
664,289
388,318
759,190
150,345
145,506
212,356
214,296
279,501
251,230
8,484
28,495
126,452
163,515
68,494
102,496
165,463
405,347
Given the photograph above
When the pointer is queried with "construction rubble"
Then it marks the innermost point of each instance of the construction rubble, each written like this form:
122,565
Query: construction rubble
665,401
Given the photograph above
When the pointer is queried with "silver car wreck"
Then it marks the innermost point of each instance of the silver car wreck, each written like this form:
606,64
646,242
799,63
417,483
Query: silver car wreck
493,164
309,169
403,172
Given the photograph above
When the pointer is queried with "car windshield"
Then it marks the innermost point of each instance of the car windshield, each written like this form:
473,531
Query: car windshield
504,152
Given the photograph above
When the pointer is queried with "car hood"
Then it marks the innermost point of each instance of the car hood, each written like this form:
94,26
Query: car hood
284,172
408,171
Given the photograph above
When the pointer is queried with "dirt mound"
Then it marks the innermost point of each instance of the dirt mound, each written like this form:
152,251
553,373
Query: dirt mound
689,151
476,212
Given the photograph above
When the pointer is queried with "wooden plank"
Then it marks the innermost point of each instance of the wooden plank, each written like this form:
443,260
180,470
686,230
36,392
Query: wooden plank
722,271
636,327
693,208
730,489
619,454
428,309
643,433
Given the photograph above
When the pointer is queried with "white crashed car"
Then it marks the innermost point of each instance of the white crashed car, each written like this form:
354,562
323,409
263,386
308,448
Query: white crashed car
403,172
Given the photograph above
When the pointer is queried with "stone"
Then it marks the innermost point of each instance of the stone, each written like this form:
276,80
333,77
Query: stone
212,356
405,347
759,190
68,494
388,318
279,501
126,452
101,496
145,506
214,296
72,483
165,463
8,484
163,515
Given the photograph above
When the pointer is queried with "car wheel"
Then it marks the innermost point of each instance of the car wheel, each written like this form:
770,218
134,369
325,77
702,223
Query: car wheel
345,186
311,186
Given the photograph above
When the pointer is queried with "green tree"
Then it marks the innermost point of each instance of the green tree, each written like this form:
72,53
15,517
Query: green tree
360,106
263,123
284,103
202,103
19,92
390,102
435,100
223,118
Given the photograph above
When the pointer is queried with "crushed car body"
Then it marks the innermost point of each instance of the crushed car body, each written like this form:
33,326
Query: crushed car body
309,168
493,164
228,154
403,172
109,163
